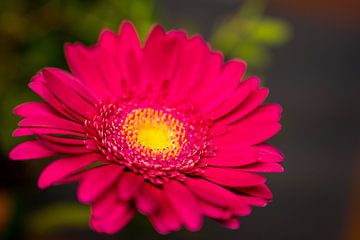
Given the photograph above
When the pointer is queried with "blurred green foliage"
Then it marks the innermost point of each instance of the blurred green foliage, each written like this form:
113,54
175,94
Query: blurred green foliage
249,35
32,34
61,215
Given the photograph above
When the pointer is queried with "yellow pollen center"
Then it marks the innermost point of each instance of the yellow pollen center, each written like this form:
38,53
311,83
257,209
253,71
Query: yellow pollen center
154,135
154,131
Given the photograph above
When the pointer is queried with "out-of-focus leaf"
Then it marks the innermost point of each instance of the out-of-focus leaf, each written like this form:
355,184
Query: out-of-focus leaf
271,31
249,35
58,216
254,54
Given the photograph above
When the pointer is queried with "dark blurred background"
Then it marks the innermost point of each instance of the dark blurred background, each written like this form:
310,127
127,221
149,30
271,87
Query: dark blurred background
307,53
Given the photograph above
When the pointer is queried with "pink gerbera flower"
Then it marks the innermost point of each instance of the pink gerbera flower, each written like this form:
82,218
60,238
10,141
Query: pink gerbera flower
167,129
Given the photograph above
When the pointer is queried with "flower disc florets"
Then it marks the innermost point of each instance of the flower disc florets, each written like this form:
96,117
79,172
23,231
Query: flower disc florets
155,140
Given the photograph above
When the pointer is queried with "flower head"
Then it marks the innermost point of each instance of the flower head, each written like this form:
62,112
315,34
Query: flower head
167,129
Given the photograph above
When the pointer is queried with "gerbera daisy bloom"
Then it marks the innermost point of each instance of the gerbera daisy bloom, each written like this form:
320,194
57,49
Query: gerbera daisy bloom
167,129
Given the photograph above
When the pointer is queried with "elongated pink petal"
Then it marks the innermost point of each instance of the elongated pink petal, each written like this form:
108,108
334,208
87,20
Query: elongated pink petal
264,113
236,98
159,224
267,153
38,86
104,204
247,106
233,177
83,65
232,223
115,220
97,181
208,77
63,148
63,140
213,211
191,64
185,204
261,191
129,185
225,85
74,83
218,195
233,155
160,52
52,122
253,201
64,167
130,55
27,131
65,94
263,167
250,134
30,150
32,109
148,200
166,219
106,54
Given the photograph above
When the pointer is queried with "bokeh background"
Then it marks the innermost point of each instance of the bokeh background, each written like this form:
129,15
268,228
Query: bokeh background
307,52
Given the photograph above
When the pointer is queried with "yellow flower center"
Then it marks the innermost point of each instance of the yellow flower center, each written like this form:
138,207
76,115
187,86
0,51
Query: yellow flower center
154,131
154,135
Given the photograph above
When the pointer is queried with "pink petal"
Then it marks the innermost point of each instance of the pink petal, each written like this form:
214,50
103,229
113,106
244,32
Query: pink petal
148,200
247,106
115,220
267,153
232,223
31,109
249,134
65,94
30,150
213,211
160,52
97,181
159,225
263,167
38,86
261,191
233,177
233,155
63,140
253,201
192,60
83,64
19,132
225,85
236,98
208,77
106,52
52,122
65,148
264,113
130,55
217,130
59,169
166,219
218,195
129,185
74,83
185,204
104,204
73,178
